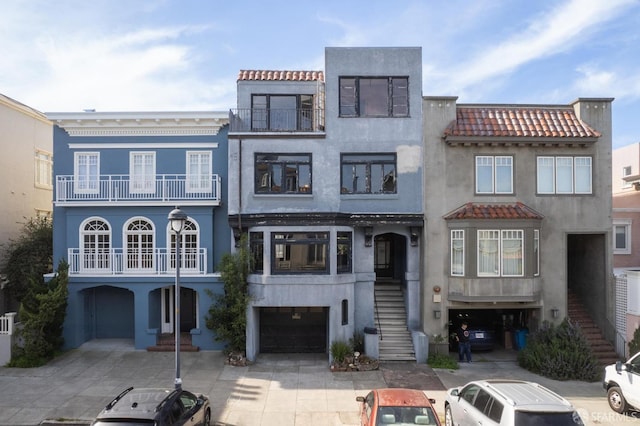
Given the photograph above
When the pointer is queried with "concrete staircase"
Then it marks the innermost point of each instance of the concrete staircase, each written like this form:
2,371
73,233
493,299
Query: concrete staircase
602,348
167,343
391,320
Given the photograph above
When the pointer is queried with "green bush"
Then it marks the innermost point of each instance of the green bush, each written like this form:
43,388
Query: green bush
340,350
561,353
634,344
357,342
442,361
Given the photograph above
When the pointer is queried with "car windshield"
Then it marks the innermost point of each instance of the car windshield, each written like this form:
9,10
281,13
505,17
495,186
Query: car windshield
535,418
406,416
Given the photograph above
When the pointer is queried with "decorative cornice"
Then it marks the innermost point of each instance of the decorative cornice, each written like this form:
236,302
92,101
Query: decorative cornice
162,123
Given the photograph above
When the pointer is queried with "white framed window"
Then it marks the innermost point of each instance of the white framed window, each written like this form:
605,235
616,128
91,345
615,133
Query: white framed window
564,175
95,245
500,253
87,172
44,169
199,171
457,252
142,172
494,174
626,171
622,236
190,243
139,237
536,252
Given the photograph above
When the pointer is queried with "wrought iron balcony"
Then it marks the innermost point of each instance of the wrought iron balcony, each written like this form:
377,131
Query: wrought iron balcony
118,261
260,120
125,189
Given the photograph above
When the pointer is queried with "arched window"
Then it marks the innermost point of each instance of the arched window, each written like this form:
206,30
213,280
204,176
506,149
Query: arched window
139,244
95,243
190,246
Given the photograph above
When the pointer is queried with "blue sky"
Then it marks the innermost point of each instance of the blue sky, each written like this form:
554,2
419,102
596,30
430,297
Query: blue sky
153,55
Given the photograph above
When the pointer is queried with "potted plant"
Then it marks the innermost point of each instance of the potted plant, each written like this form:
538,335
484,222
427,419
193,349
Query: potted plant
438,344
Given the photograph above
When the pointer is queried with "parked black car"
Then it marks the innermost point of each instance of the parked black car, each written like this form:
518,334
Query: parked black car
481,336
157,406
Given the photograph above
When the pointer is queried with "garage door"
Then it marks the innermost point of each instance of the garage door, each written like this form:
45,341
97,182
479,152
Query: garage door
293,330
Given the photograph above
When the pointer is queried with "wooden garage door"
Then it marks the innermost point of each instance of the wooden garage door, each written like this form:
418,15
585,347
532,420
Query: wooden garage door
293,330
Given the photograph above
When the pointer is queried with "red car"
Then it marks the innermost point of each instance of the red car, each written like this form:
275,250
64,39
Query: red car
397,407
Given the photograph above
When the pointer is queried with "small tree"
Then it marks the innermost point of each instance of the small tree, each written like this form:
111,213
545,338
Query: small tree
42,320
227,316
560,352
28,257
634,344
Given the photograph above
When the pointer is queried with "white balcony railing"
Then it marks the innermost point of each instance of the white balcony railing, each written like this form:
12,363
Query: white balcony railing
117,261
123,188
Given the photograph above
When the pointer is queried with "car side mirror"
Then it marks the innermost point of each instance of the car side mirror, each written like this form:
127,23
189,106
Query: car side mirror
454,392
360,398
432,400
620,367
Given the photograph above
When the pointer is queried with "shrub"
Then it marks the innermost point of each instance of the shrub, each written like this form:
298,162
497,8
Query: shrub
437,360
561,353
357,342
340,350
634,344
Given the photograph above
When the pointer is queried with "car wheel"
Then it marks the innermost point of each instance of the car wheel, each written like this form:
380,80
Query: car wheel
616,400
448,419
207,417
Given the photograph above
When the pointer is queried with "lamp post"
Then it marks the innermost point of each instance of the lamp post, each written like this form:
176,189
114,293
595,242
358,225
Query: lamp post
177,218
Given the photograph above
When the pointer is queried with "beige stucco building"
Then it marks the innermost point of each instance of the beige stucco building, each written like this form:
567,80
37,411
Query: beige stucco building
26,137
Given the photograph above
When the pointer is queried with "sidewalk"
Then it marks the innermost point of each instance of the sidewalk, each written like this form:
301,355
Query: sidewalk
278,389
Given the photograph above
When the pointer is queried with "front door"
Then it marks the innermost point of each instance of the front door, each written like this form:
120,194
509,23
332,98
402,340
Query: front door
188,309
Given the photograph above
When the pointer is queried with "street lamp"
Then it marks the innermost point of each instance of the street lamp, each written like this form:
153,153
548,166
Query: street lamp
177,218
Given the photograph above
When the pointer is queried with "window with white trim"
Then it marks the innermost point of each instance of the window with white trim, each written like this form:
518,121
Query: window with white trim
190,243
44,169
500,253
199,171
87,172
626,171
457,252
622,236
564,175
95,245
494,174
139,236
142,171
536,252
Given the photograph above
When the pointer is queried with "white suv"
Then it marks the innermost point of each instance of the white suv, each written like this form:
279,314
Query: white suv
621,381
508,403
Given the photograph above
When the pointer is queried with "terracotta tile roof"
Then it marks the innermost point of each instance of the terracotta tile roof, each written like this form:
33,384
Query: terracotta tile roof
519,121
495,211
271,75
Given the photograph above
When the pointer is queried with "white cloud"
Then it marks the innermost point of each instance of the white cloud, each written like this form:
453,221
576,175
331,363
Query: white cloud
555,31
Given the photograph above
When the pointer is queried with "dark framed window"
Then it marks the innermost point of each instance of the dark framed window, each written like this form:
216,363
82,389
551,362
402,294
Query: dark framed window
299,253
282,112
282,173
344,255
345,312
374,96
368,174
256,247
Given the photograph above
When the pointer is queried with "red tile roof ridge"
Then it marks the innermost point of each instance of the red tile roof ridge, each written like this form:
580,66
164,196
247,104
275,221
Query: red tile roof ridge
280,75
492,120
471,210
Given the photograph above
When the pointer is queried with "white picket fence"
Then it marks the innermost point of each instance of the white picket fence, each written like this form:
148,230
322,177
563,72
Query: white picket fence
7,329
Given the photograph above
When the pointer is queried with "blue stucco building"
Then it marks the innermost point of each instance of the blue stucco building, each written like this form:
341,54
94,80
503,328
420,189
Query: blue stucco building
117,177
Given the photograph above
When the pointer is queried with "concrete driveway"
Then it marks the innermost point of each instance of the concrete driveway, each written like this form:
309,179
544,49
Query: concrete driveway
276,390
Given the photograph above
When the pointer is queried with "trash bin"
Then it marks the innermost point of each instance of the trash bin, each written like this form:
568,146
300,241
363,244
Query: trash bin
521,338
